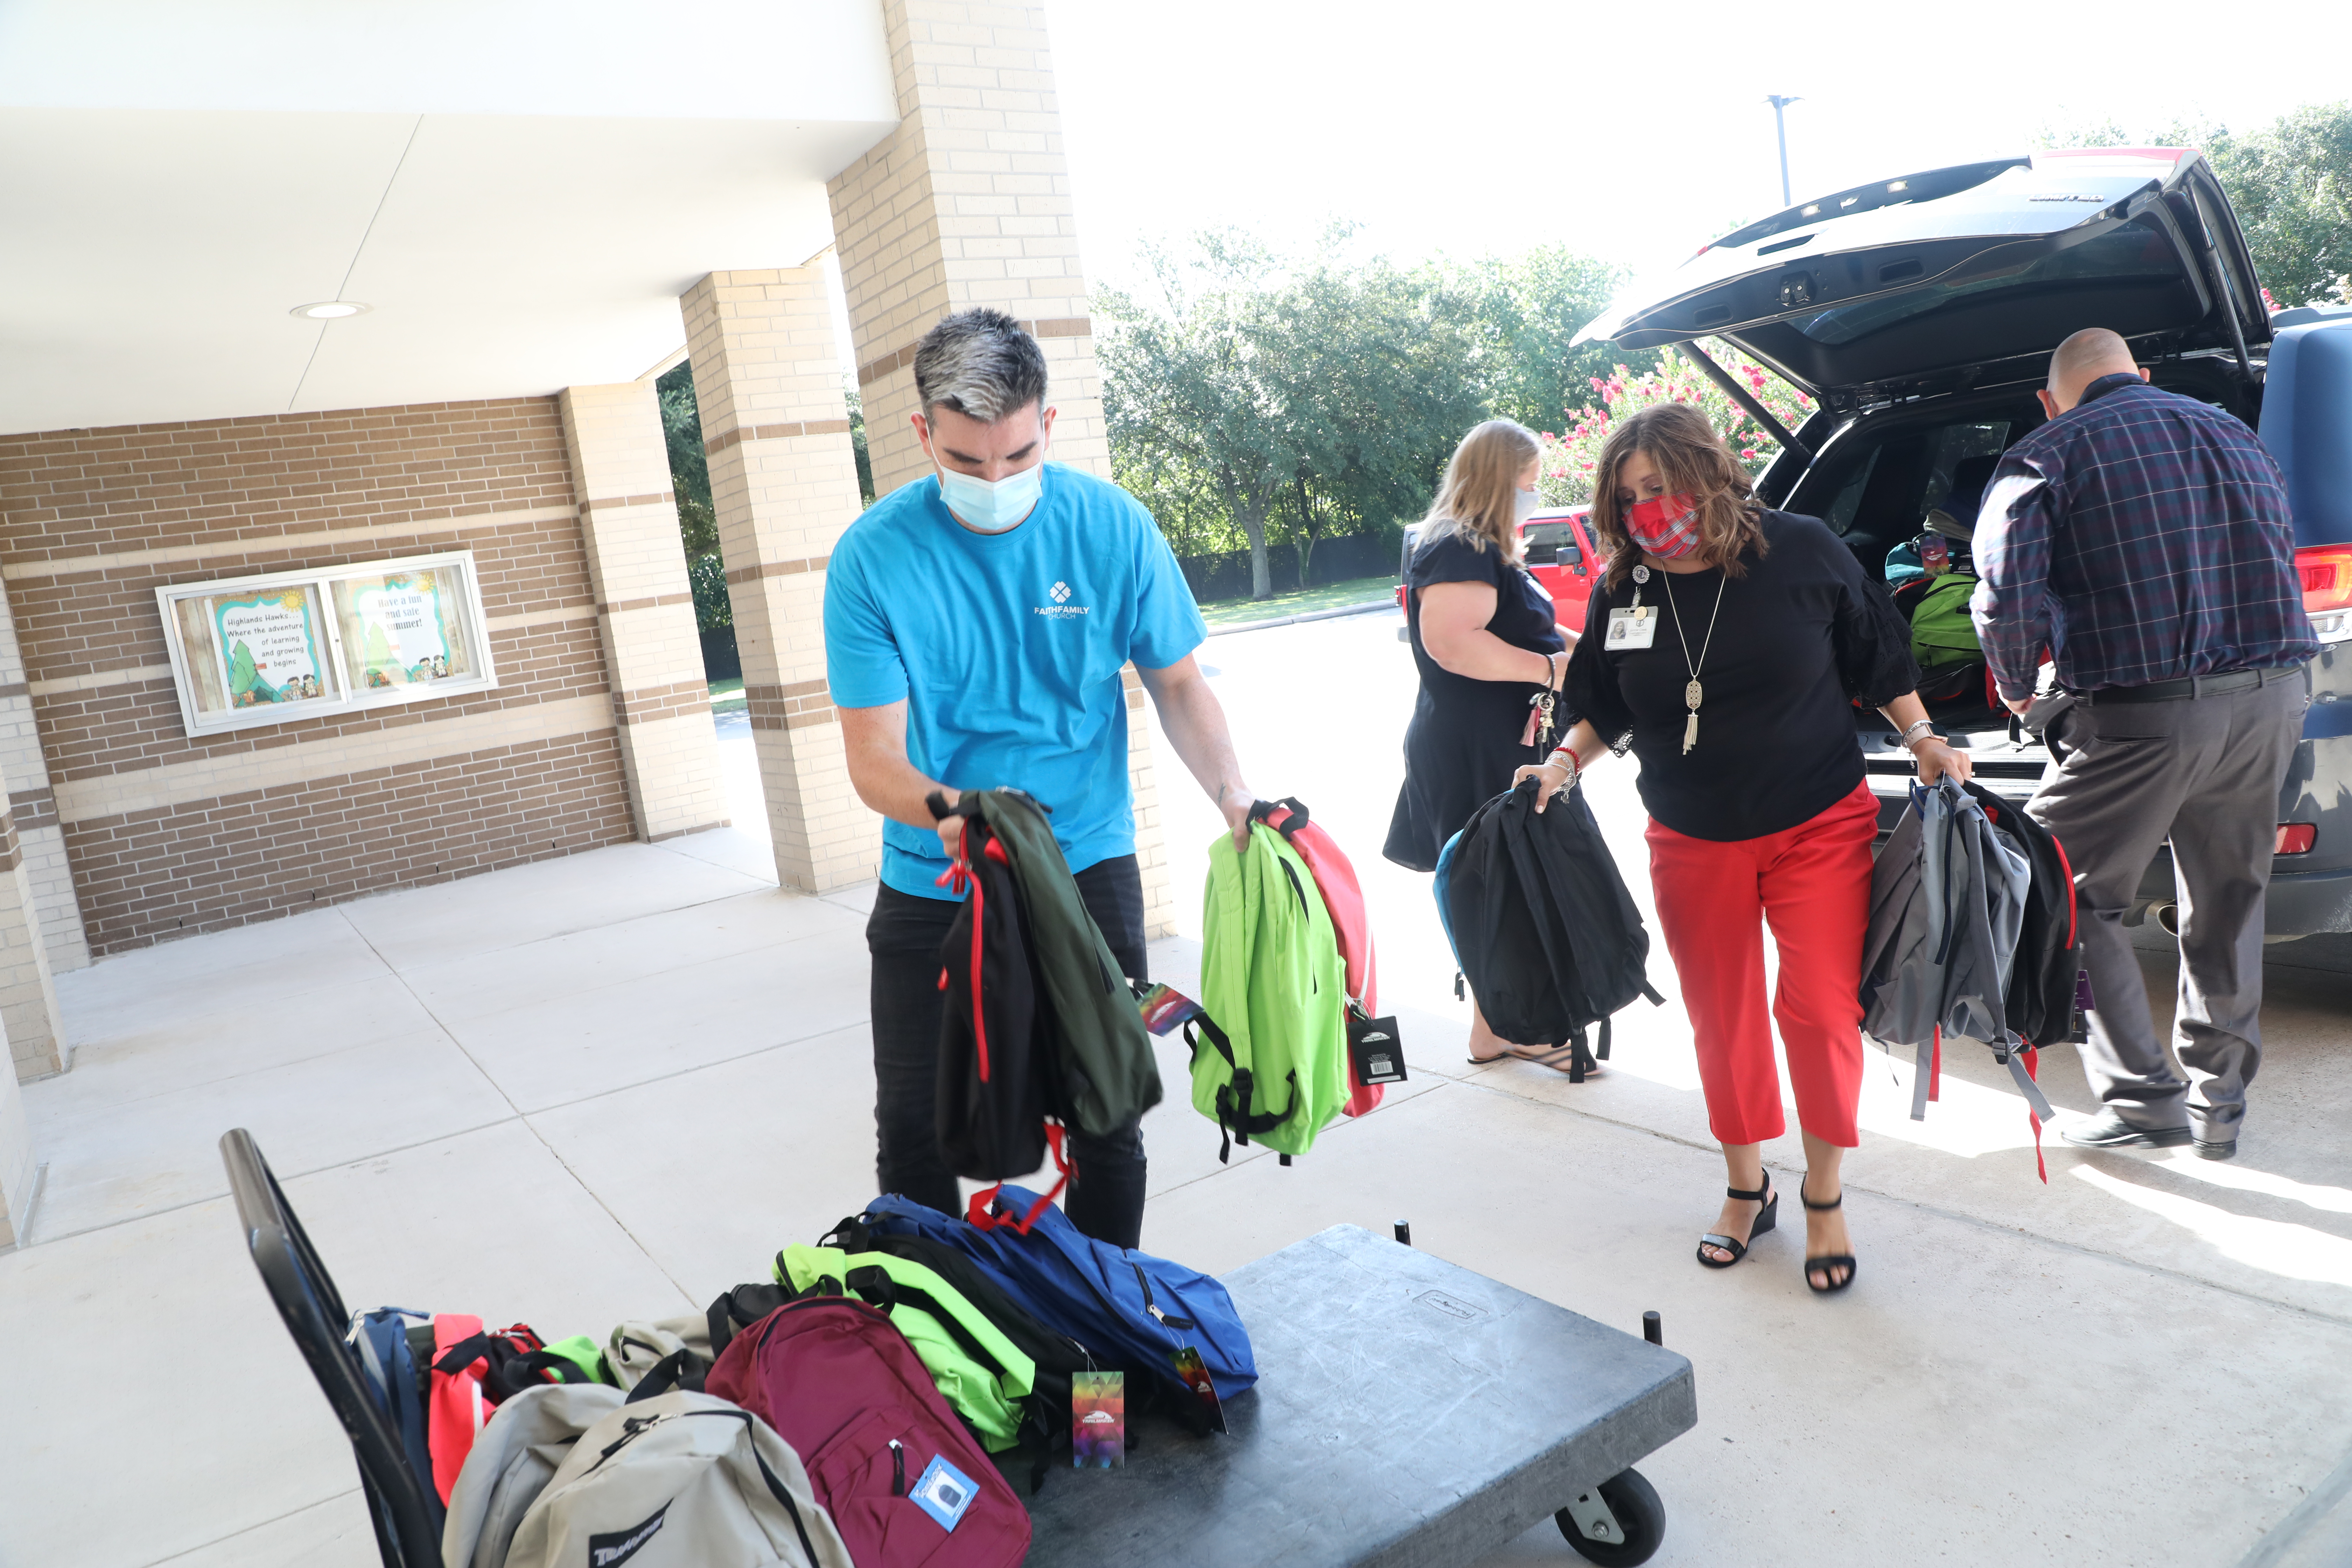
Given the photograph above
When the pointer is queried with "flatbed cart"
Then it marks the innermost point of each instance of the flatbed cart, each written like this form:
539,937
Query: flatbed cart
1408,1414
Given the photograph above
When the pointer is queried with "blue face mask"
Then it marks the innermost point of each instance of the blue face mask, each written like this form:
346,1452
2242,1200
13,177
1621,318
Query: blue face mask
993,506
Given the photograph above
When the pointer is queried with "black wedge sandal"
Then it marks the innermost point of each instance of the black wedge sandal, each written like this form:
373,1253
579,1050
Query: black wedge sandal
1765,1219
1845,1261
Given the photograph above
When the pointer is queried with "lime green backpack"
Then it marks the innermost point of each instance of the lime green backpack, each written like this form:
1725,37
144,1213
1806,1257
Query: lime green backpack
1273,1000
1941,633
982,1375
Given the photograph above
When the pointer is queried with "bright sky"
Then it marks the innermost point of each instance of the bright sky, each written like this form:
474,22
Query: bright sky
1635,132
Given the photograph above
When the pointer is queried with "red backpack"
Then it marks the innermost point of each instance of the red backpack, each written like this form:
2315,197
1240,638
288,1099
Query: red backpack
840,1384
1335,879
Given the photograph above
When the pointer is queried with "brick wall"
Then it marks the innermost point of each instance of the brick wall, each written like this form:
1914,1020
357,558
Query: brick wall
169,833
232,858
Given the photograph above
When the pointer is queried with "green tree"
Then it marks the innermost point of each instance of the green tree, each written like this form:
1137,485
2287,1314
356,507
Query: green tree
690,469
1183,382
1317,393
858,440
1529,306
2292,186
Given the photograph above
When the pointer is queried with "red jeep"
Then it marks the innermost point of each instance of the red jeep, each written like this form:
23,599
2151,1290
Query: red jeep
1558,541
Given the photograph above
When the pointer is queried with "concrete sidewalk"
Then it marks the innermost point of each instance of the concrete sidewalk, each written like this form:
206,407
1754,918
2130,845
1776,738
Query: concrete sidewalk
613,1085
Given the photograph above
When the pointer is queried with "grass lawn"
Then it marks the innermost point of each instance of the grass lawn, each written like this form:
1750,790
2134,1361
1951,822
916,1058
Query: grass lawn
726,695
1330,597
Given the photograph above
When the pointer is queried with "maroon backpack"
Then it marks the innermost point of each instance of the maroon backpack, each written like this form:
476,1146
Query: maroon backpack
845,1390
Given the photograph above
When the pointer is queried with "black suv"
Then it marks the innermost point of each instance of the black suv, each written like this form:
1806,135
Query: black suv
1920,314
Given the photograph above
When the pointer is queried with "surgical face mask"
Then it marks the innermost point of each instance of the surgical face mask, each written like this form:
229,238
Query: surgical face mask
1525,504
1665,526
992,506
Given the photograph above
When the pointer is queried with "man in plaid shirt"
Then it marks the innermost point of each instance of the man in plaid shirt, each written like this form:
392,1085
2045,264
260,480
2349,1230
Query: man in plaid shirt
2144,539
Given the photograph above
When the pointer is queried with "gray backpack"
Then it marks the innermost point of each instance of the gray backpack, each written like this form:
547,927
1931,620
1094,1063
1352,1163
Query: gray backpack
1946,902
511,1463
637,1348
680,1480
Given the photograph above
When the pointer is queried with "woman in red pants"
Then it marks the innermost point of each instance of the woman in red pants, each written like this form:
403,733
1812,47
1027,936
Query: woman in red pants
1723,644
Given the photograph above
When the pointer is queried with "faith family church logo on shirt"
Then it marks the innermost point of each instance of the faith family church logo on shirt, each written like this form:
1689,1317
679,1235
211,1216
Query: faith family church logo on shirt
1061,609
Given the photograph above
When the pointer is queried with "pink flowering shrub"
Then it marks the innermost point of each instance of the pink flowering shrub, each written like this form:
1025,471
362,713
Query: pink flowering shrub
1568,458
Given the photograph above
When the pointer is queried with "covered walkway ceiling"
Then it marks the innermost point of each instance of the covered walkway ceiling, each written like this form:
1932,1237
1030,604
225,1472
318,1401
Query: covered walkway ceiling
520,192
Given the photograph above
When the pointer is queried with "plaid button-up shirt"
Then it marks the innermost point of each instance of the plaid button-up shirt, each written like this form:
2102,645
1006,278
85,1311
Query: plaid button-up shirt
2140,536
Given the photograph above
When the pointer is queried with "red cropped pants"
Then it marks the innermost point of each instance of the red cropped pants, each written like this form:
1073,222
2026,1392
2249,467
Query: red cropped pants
1812,883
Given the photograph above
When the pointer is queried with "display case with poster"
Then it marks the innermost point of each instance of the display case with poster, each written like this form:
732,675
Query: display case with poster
298,644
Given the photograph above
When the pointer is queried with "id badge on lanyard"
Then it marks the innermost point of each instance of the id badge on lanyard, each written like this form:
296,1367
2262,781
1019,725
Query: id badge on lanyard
1631,628
1637,625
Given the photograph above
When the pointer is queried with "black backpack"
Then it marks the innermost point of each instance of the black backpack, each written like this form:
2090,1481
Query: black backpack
1542,923
2040,1002
994,1052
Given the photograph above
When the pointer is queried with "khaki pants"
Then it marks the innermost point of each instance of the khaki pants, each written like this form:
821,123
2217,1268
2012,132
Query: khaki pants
2203,772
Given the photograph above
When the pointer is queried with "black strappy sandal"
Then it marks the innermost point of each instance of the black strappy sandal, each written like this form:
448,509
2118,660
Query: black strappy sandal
1766,1217
1834,1260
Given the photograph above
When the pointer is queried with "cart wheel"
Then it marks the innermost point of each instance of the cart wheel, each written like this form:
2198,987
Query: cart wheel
1617,1523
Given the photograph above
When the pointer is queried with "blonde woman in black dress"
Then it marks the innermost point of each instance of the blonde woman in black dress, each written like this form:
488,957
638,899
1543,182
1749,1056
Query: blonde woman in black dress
1486,642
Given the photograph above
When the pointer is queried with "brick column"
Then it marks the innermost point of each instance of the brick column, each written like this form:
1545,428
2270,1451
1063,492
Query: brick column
29,1001
637,562
968,203
39,839
17,1166
783,480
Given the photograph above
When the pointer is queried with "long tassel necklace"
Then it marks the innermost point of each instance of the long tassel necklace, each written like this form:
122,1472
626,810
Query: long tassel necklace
1694,693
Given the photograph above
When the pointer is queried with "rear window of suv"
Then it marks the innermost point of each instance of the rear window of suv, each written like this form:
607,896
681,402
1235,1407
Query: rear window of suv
2135,254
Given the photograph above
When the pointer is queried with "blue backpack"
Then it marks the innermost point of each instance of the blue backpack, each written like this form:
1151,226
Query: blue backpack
379,1342
1131,1309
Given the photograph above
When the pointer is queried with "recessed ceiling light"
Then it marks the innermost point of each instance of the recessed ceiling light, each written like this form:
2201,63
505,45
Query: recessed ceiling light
330,310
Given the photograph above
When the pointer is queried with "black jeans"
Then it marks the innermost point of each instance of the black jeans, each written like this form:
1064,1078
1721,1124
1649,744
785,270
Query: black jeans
904,934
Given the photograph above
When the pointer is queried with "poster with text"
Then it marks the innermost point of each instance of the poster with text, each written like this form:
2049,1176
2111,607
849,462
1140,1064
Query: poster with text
401,637
268,645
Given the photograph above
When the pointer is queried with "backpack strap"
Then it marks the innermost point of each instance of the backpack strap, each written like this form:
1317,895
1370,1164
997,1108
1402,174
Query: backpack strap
879,1288
679,1369
1235,1123
1286,816
981,1211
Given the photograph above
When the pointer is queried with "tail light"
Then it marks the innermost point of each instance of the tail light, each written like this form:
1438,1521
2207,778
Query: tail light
2325,571
2295,838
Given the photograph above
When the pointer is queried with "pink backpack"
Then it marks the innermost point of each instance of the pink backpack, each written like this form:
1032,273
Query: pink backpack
1352,923
884,1452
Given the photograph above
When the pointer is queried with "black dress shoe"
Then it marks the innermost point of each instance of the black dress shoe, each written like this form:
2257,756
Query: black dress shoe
2109,1130
2217,1148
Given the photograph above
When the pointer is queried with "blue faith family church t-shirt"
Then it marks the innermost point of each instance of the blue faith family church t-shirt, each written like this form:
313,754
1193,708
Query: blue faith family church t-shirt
1007,648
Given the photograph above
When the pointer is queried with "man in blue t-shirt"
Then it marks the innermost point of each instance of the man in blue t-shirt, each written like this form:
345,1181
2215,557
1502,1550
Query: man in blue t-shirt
975,626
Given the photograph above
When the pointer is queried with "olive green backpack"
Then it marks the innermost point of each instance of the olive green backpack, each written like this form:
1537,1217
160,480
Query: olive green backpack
1274,999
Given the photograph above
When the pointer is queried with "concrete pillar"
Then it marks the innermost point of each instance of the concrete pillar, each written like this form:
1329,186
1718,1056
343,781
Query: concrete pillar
968,203
629,520
40,840
783,480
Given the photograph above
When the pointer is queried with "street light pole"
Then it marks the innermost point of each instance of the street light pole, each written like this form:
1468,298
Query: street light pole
1780,125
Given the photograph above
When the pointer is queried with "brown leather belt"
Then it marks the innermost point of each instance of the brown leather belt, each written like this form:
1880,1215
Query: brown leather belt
2218,684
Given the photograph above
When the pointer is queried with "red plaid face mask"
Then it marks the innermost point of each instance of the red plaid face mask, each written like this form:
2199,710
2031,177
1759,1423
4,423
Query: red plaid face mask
1665,526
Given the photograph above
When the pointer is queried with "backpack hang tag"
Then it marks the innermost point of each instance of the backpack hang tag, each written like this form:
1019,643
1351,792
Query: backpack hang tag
1166,1009
1374,1050
1097,1420
1196,1377
943,1492
1632,628
2084,1001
